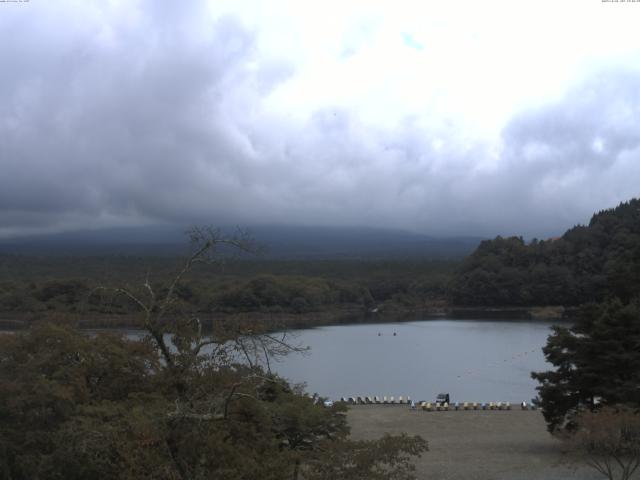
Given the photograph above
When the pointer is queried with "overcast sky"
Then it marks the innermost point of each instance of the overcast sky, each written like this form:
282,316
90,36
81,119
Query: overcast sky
474,118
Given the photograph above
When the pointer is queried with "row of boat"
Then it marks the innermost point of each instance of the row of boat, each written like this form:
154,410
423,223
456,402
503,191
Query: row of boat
376,400
435,406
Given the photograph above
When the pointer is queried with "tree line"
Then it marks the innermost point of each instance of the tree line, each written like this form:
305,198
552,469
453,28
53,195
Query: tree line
187,404
239,286
178,404
586,264
591,398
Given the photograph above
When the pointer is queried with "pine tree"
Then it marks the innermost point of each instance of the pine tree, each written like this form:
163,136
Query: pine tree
597,363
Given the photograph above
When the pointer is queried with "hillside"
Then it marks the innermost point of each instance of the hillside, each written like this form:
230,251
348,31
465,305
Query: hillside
278,242
588,263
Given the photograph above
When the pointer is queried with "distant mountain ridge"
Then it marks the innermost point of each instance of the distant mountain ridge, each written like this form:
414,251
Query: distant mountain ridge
280,241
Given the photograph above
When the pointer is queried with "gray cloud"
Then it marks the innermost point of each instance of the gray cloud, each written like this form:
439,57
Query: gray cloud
160,120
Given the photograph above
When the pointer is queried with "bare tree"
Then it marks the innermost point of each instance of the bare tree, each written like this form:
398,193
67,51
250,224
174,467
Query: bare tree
609,439
183,345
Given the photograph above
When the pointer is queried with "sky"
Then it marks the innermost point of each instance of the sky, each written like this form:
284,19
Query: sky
446,118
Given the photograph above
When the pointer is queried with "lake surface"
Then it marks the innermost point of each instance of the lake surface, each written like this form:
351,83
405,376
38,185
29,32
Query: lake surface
473,360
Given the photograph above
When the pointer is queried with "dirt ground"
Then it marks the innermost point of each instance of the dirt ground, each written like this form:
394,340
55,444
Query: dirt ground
475,445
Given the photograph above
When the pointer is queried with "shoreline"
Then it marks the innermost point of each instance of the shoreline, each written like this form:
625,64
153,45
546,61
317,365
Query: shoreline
477,445
298,321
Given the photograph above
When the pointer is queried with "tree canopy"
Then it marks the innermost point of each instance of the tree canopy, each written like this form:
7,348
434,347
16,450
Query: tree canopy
587,264
180,403
609,439
596,360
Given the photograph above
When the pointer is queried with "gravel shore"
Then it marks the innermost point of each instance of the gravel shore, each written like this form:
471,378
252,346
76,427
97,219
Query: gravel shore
475,445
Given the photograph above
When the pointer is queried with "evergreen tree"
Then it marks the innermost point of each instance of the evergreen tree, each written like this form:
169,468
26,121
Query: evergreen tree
597,362
587,264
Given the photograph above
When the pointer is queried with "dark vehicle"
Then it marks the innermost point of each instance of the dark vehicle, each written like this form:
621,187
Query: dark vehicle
442,398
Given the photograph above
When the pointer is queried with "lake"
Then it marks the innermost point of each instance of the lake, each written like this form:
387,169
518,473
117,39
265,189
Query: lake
473,360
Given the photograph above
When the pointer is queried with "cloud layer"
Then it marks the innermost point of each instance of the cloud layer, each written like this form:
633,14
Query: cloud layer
147,113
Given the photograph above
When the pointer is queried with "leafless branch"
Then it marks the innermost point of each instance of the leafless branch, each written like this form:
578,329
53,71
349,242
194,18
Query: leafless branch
266,357
132,297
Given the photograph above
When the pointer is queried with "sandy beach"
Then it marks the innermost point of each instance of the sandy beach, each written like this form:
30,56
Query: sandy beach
475,445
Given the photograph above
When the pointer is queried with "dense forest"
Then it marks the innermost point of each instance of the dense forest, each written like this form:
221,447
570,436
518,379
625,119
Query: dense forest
591,397
588,263
54,285
178,404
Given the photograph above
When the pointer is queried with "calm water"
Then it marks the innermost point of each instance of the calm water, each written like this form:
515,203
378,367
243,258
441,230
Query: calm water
472,360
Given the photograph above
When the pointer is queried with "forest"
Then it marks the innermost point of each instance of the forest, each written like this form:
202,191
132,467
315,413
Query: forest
53,286
587,264
104,406
181,403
